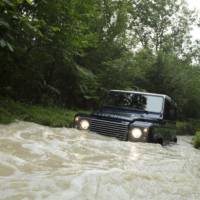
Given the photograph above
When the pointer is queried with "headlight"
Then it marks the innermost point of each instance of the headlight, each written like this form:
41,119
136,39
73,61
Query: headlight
136,133
84,124
77,119
145,130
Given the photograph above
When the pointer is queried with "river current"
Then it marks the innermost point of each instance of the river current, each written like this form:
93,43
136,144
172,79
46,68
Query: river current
38,162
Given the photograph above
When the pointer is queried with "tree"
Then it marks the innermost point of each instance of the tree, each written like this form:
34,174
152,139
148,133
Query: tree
161,25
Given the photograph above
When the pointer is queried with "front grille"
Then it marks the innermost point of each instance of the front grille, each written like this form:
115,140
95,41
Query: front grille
109,128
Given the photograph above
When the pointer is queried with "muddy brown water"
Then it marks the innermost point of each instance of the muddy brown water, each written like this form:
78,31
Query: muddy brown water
38,162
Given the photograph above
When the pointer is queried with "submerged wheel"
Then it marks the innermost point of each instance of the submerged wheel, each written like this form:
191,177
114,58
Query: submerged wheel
159,141
174,139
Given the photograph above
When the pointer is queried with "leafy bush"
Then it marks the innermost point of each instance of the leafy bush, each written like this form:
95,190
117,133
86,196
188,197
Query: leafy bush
50,116
5,116
196,140
185,128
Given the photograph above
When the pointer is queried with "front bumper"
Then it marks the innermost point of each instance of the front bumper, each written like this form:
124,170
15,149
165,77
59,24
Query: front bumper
120,130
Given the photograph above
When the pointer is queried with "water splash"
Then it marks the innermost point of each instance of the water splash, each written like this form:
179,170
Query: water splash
39,162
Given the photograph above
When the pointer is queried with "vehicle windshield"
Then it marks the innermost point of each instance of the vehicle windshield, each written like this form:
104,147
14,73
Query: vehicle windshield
135,101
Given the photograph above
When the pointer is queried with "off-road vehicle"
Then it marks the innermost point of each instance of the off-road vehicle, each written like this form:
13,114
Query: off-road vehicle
133,116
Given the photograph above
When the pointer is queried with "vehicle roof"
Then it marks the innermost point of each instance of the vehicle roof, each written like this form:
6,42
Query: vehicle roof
145,93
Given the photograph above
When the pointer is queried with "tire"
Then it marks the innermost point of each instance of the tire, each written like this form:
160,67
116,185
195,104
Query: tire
174,139
159,141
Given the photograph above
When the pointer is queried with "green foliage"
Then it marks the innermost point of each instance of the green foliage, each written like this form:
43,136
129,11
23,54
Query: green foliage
51,116
5,116
196,140
69,53
185,128
161,25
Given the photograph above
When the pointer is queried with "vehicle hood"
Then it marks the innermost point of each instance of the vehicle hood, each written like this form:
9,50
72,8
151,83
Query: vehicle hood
125,116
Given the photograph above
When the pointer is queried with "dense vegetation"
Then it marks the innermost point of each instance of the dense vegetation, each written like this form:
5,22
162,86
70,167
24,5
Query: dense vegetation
50,116
196,140
70,52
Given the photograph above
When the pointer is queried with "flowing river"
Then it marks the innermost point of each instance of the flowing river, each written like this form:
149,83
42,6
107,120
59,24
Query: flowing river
38,162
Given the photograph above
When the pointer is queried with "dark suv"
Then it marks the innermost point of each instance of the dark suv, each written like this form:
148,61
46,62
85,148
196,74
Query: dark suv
133,116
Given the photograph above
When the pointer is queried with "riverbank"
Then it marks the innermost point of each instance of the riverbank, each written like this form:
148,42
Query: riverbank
196,140
49,116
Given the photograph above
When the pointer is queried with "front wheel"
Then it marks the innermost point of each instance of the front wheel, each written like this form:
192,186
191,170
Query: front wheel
174,139
159,141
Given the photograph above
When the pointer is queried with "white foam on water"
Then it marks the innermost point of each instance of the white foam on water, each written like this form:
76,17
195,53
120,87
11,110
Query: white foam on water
38,162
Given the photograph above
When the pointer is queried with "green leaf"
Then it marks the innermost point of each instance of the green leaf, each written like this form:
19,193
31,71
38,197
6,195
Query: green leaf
10,47
19,1
55,28
4,23
2,43
29,1
8,3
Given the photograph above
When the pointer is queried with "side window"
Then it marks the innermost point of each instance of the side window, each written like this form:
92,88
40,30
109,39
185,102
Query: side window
170,111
